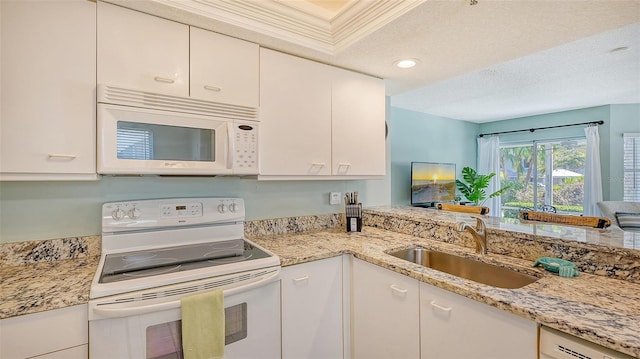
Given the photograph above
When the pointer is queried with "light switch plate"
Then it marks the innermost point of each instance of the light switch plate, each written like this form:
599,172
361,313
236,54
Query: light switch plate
335,197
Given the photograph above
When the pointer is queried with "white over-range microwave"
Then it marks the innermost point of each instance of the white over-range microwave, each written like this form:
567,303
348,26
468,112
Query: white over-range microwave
142,133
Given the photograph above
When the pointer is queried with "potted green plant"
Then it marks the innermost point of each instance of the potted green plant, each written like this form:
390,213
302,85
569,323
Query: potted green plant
475,187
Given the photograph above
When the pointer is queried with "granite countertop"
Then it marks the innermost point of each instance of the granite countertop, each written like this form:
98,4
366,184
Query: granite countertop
42,286
44,275
612,238
596,308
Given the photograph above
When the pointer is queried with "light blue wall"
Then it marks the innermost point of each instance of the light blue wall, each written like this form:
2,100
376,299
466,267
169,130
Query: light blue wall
551,119
416,136
42,210
624,118
618,119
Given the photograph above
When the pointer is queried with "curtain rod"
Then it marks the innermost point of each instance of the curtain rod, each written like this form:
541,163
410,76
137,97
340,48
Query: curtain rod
542,128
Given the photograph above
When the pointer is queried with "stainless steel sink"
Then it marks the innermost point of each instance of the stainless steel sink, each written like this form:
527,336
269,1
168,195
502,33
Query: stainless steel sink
476,271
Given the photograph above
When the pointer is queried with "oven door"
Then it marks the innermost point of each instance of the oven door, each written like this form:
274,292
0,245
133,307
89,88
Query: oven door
134,140
130,328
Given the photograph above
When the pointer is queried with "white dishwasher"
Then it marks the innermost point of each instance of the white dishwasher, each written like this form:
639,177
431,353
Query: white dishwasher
558,345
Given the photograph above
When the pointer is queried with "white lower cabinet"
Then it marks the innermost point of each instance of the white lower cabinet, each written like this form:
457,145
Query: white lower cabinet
312,310
455,327
385,320
395,316
54,334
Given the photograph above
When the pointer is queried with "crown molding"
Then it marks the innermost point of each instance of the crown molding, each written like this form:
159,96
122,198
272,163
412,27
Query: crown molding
365,17
311,8
289,23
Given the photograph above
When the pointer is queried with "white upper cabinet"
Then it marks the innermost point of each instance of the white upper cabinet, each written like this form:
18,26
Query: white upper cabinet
295,116
318,120
224,69
48,72
142,52
357,124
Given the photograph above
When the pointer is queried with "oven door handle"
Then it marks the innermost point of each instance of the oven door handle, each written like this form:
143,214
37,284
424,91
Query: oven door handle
174,304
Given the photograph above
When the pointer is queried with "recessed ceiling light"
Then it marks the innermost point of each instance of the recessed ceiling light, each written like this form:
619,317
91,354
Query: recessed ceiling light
406,63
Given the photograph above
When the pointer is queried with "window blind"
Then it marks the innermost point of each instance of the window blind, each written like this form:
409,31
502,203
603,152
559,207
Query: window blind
631,160
134,144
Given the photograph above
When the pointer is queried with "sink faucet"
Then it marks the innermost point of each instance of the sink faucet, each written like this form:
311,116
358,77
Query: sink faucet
479,234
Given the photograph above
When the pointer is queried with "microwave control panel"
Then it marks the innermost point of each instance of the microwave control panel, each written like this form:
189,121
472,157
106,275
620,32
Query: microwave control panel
245,158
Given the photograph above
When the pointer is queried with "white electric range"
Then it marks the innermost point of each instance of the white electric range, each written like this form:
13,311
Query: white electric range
155,252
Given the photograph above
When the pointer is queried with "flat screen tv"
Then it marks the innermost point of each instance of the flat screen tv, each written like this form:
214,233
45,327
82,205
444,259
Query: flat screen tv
432,183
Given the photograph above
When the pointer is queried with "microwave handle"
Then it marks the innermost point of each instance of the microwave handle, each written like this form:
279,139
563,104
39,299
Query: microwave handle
231,148
175,304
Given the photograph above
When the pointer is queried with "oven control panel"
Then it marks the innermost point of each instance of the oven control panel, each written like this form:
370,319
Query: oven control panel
181,210
170,212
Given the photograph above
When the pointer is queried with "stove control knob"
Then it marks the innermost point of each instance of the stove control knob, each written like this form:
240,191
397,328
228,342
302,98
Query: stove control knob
222,208
233,207
117,214
134,213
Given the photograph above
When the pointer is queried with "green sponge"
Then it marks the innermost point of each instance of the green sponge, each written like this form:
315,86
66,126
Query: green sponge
562,267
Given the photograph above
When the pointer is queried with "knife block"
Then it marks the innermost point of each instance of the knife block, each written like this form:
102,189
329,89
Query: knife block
354,217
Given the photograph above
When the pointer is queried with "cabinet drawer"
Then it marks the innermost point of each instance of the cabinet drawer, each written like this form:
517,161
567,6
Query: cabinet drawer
46,332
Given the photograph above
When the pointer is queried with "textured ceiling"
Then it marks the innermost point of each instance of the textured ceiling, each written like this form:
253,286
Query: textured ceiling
495,60
583,73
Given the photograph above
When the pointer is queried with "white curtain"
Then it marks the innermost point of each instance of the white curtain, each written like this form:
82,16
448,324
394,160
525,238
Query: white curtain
592,174
489,162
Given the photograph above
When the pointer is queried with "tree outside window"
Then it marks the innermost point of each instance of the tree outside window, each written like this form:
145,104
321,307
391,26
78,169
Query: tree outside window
542,174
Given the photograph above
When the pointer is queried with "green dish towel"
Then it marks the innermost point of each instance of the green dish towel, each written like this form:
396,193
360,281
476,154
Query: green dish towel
203,325
562,267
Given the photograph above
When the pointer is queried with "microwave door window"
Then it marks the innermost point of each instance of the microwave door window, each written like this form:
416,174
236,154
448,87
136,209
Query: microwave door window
145,141
135,144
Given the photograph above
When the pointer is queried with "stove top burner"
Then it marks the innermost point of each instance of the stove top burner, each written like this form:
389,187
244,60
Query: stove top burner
139,264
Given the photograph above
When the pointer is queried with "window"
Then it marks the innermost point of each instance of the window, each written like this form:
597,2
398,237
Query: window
541,174
134,144
631,163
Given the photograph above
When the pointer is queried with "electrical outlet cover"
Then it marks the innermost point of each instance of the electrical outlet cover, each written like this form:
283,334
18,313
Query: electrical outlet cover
335,198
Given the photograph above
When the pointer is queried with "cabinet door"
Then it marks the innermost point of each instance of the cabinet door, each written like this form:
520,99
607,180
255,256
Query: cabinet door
224,69
358,124
47,128
385,313
295,113
312,310
46,332
142,52
453,326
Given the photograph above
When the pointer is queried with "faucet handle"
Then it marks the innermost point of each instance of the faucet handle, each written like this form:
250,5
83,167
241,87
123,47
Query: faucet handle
480,225
459,226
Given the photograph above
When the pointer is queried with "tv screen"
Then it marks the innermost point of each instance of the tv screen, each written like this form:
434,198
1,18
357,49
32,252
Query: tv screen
432,183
